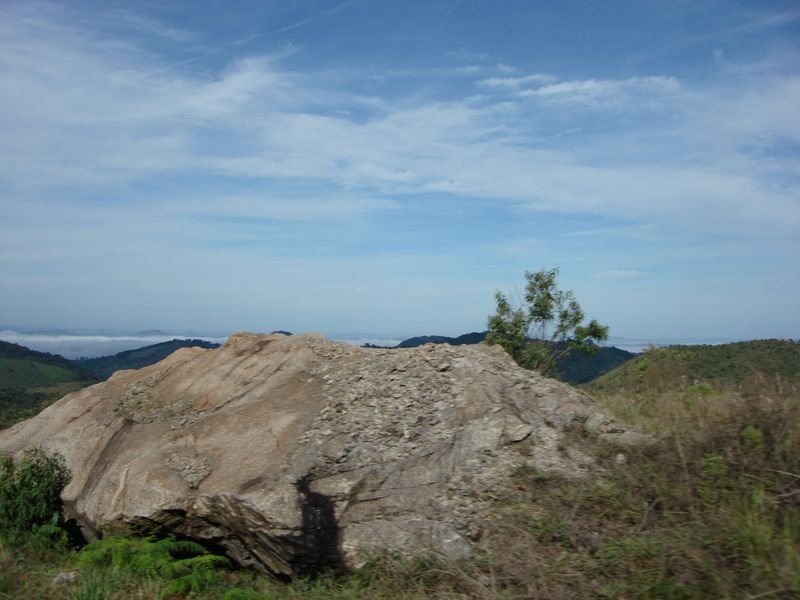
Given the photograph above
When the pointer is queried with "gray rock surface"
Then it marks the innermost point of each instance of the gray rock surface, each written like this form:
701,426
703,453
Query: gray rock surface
296,452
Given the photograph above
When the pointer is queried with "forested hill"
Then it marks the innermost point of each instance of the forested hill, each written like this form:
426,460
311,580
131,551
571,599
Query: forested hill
21,367
578,367
30,380
724,365
103,366
476,337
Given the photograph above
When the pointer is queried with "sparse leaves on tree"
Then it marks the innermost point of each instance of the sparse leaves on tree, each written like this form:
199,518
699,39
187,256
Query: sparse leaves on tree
546,328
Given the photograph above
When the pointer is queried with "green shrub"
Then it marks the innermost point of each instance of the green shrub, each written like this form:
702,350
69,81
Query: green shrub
30,496
185,565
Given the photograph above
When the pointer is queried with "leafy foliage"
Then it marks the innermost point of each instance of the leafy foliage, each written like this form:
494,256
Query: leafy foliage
30,502
547,328
186,565
17,404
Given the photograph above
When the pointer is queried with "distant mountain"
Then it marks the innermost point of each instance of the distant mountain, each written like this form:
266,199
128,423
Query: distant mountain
103,366
475,337
737,365
30,380
574,368
578,367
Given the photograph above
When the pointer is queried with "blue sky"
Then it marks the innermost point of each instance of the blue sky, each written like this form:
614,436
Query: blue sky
383,167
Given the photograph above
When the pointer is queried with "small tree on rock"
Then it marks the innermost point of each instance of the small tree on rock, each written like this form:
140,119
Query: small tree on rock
547,328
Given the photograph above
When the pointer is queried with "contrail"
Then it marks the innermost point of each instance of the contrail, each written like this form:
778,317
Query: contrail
255,36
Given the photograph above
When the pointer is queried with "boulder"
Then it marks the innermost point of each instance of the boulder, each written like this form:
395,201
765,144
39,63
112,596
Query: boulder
297,453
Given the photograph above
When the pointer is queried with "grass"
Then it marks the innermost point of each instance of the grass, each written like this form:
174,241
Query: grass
707,512
710,510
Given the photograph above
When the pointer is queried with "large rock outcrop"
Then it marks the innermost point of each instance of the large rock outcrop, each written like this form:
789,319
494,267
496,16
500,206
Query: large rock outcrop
296,452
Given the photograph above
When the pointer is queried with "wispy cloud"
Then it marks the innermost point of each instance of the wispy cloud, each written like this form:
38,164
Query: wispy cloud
515,82
256,119
132,22
594,91
113,149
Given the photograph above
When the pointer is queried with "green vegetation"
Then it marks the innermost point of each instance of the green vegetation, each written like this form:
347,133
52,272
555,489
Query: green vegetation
711,509
580,367
27,373
30,503
30,380
183,566
668,383
739,366
23,367
548,327
104,366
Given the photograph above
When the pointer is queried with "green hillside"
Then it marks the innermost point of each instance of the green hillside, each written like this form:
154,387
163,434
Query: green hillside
23,367
104,366
738,365
26,373
30,380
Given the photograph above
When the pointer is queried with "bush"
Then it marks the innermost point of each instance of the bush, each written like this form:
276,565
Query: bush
30,496
185,565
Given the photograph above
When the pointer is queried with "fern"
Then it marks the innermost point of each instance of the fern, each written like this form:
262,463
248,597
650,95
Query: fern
200,571
110,552
186,565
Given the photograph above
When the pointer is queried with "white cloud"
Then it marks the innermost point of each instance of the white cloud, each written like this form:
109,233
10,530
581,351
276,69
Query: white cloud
515,82
126,122
592,91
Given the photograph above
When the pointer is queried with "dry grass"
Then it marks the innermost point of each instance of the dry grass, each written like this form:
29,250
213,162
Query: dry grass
711,511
